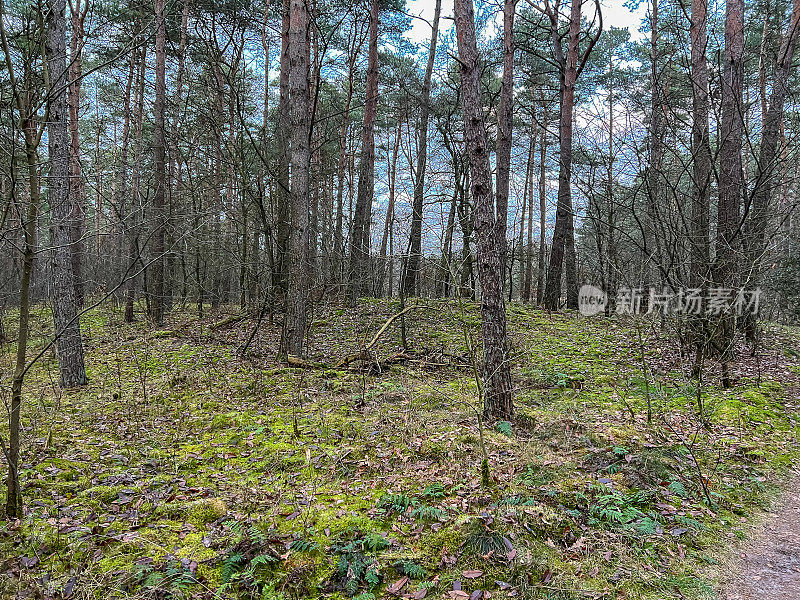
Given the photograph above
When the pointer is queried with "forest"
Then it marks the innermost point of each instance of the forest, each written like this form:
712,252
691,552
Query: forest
399,299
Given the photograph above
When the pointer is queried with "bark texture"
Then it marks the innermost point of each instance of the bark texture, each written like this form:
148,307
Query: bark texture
497,391
360,235
65,314
299,93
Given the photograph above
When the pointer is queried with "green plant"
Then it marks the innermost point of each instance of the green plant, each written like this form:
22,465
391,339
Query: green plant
411,569
503,427
423,512
232,565
433,491
303,546
398,503
353,567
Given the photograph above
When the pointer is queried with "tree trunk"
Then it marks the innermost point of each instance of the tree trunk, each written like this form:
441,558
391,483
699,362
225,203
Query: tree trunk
563,235
119,197
731,180
768,150
701,149
159,165
653,177
13,491
542,212
527,256
299,94
497,391
410,279
78,225
135,200
360,235
505,122
338,236
282,134
389,222
65,312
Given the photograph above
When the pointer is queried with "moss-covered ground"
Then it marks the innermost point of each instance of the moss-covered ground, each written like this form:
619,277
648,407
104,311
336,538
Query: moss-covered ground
184,470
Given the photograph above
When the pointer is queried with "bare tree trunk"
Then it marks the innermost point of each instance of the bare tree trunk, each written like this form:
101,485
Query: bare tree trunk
360,235
731,180
13,491
75,69
653,177
119,196
65,311
410,278
159,163
282,210
505,124
527,256
766,167
338,236
498,398
135,201
542,211
389,222
447,247
701,149
563,235
299,274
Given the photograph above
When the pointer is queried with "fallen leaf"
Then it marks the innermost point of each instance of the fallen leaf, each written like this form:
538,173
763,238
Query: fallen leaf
397,586
472,574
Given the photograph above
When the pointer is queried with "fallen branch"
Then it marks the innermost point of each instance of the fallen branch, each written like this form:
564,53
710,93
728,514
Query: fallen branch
227,321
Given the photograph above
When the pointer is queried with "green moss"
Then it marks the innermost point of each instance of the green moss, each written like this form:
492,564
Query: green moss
207,510
450,538
103,493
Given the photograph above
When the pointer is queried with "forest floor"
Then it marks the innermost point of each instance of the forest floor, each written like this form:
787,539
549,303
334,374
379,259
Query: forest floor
186,471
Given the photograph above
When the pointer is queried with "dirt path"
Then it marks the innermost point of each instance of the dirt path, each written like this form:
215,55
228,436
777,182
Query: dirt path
768,567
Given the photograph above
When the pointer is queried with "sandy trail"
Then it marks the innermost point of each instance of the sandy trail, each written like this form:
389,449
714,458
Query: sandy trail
769,566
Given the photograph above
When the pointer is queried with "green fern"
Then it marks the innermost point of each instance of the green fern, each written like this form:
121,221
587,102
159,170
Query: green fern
374,542
677,488
434,491
411,569
428,513
300,546
257,536
398,503
232,565
263,560
503,427
480,540
647,526
372,577
690,522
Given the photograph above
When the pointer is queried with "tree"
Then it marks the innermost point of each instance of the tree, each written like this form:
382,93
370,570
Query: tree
78,18
360,234
505,124
299,94
570,66
159,167
701,147
497,391
25,100
65,314
410,281
765,178
731,179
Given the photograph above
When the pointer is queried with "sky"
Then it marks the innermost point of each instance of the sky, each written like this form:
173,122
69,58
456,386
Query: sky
614,14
